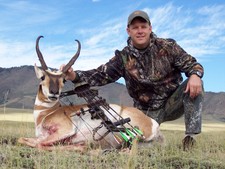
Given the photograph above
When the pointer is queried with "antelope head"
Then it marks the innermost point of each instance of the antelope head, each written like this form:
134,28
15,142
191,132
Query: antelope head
52,81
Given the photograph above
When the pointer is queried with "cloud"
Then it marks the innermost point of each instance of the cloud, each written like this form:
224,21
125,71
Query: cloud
20,16
100,43
200,32
16,53
107,33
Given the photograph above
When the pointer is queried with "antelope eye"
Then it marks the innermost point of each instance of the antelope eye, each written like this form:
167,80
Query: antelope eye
43,78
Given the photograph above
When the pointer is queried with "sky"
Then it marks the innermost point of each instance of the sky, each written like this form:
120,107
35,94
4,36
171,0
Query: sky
100,25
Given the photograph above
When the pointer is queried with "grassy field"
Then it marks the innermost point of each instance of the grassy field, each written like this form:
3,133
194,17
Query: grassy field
209,152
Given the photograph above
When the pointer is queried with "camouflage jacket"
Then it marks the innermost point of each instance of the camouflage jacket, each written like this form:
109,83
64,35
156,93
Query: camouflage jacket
151,75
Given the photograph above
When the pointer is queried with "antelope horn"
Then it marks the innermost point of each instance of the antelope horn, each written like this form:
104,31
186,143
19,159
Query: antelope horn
43,64
74,58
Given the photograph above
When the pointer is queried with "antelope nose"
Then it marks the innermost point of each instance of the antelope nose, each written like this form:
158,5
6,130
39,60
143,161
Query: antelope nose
55,92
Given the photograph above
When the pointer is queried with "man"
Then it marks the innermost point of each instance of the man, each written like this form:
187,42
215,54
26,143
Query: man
152,68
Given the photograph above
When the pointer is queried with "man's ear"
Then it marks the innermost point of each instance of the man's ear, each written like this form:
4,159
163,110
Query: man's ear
128,30
150,27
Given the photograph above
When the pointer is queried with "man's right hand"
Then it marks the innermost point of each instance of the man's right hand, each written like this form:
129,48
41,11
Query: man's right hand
70,74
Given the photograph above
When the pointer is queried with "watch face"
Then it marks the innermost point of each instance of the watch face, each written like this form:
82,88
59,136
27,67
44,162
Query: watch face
199,73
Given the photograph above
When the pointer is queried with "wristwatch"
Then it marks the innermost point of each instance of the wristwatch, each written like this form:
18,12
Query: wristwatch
198,73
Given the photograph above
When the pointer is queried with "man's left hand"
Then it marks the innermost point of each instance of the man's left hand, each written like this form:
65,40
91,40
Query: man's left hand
194,86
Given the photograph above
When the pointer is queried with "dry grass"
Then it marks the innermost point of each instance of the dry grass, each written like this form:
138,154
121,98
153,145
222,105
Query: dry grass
209,152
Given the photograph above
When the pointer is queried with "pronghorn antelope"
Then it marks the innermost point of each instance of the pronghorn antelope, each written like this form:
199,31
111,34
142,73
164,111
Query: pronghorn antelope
65,126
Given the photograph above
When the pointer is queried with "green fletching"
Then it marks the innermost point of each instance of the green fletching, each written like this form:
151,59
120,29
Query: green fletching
131,134
138,131
124,136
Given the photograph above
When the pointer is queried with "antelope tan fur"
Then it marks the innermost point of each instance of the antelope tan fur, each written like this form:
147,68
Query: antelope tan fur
65,127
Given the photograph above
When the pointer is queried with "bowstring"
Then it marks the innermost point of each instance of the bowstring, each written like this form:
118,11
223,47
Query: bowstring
94,101
106,107
89,127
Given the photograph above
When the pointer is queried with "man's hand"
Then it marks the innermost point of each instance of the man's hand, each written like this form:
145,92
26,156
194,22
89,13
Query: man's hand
194,86
70,74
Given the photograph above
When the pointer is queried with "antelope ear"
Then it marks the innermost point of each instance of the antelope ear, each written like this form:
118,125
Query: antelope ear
38,71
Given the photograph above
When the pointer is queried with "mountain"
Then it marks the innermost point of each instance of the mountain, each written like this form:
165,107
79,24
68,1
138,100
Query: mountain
18,88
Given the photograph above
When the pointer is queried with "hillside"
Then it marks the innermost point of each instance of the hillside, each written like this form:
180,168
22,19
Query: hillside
18,87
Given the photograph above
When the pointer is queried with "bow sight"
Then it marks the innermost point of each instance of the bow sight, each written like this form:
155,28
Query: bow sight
96,107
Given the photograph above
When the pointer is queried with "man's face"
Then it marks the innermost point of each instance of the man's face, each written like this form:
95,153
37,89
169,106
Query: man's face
139,31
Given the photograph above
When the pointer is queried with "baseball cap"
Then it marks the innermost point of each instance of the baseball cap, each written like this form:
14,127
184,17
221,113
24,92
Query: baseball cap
138,13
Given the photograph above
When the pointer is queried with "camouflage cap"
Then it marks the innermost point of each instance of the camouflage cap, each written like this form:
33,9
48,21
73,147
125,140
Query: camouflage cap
138,13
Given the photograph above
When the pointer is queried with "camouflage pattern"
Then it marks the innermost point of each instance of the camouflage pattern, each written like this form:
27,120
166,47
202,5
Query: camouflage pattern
151,75
178,104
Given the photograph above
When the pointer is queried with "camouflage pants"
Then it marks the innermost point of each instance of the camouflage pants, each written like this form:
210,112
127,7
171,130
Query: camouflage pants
181,104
